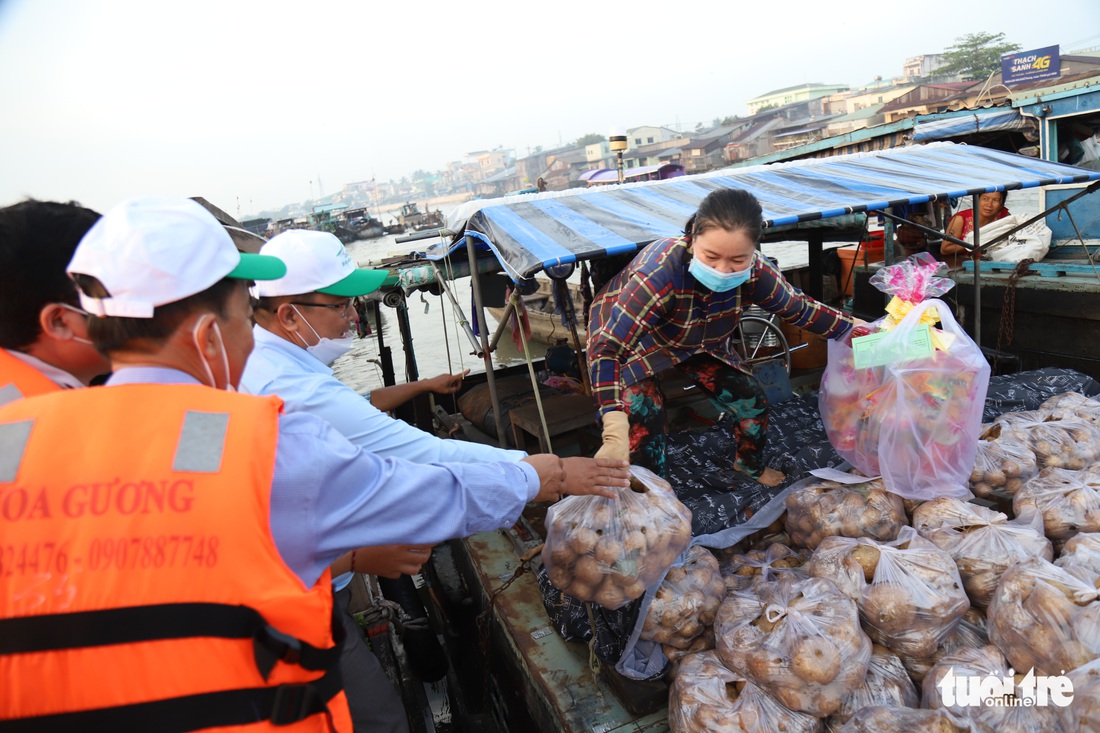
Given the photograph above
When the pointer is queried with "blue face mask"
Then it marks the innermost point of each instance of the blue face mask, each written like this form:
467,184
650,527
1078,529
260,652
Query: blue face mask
719,282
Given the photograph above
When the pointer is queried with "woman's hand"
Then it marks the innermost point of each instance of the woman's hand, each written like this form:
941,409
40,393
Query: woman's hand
616,437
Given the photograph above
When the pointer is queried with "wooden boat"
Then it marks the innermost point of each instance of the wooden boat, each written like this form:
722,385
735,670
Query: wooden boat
511,669
546,325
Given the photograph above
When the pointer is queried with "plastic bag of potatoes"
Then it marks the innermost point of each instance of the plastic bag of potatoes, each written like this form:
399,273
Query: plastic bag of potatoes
1008,717
982,542
909,591
1081,557
892,719
1072,404
887,683
743,569
1072,443
828,508
1001,465
799,640
969,634
1068,500
1084,713
610,550
1043,617
686,601
706,697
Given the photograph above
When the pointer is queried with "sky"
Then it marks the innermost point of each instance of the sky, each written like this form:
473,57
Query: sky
254,104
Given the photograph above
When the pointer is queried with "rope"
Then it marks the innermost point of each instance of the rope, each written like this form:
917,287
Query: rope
593,660
1007,330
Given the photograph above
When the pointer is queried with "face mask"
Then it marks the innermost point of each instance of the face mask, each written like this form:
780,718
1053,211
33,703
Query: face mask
326,350
719,282
221,350
84,313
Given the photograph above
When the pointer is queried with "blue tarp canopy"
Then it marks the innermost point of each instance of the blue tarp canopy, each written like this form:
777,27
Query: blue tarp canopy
968,122
532,232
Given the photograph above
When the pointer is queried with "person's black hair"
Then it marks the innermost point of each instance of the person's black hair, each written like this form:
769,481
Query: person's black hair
114,332
731,209
37,241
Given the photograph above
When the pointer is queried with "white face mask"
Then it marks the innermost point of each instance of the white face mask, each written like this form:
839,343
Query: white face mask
326,350
84,313
221,350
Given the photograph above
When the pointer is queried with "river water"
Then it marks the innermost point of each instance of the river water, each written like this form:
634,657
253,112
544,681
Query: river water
432,315
429,316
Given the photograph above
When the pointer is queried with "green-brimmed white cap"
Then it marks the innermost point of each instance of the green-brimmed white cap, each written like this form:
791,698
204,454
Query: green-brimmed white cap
150,252
316,262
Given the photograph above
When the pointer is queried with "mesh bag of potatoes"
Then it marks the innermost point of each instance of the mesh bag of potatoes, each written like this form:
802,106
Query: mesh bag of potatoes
1001,465
743,569
686,601
1072,405
1071,443
996,714
706,697
798,639
909,592
982,542
1083,714
827,508
1069,501
1081,557
887,683
1043,617
610,550
969,634
893,719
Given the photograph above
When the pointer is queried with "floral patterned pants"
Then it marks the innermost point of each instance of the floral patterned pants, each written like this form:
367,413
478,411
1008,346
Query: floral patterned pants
732,391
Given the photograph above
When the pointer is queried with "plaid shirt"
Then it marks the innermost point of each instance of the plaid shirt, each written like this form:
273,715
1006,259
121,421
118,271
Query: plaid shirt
654,315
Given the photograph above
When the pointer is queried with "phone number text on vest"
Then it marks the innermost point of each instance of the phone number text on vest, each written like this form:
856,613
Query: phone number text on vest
123,553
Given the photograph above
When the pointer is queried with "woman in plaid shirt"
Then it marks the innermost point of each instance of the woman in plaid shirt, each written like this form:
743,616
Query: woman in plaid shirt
676,305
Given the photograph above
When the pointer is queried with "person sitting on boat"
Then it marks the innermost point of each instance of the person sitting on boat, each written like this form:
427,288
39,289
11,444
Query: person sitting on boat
44,342
187,538
677,304
302,326
991,207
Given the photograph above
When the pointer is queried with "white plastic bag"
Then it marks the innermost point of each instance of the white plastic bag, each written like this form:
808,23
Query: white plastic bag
1033,241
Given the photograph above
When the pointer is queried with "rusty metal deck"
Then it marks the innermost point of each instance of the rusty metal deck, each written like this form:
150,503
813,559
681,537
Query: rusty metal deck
552,675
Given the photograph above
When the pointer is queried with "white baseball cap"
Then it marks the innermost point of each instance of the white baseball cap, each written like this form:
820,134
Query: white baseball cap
316,262
150,252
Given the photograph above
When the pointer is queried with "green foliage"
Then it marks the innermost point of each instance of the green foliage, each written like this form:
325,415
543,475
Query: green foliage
766,107
976,55
589,139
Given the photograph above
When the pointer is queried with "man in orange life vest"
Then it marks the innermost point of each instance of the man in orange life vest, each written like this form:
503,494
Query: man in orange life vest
171,572
43,332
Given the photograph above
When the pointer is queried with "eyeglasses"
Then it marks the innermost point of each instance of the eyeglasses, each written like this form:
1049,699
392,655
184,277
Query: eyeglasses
344,308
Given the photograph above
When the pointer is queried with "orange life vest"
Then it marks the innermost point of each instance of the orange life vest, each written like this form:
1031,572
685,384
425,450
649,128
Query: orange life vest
19,379
140,586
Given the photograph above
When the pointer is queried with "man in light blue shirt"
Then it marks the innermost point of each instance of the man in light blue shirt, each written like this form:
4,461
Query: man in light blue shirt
169,294
305,321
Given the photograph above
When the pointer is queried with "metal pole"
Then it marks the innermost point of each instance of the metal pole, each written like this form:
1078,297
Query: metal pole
976,255
487,355
454,304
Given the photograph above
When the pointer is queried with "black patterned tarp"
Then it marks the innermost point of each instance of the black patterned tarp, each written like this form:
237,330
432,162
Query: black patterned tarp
720,499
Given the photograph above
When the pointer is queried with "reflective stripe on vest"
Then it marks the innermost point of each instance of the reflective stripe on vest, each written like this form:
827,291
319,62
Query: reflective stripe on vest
19,379
141,563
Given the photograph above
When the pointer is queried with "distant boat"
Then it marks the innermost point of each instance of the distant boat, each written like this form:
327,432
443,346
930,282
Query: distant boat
411,217
546,326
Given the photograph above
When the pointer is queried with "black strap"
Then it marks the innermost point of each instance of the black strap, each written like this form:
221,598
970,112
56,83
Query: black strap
133,624
281,705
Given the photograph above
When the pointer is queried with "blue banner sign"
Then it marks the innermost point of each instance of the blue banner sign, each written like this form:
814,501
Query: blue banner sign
1041,63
